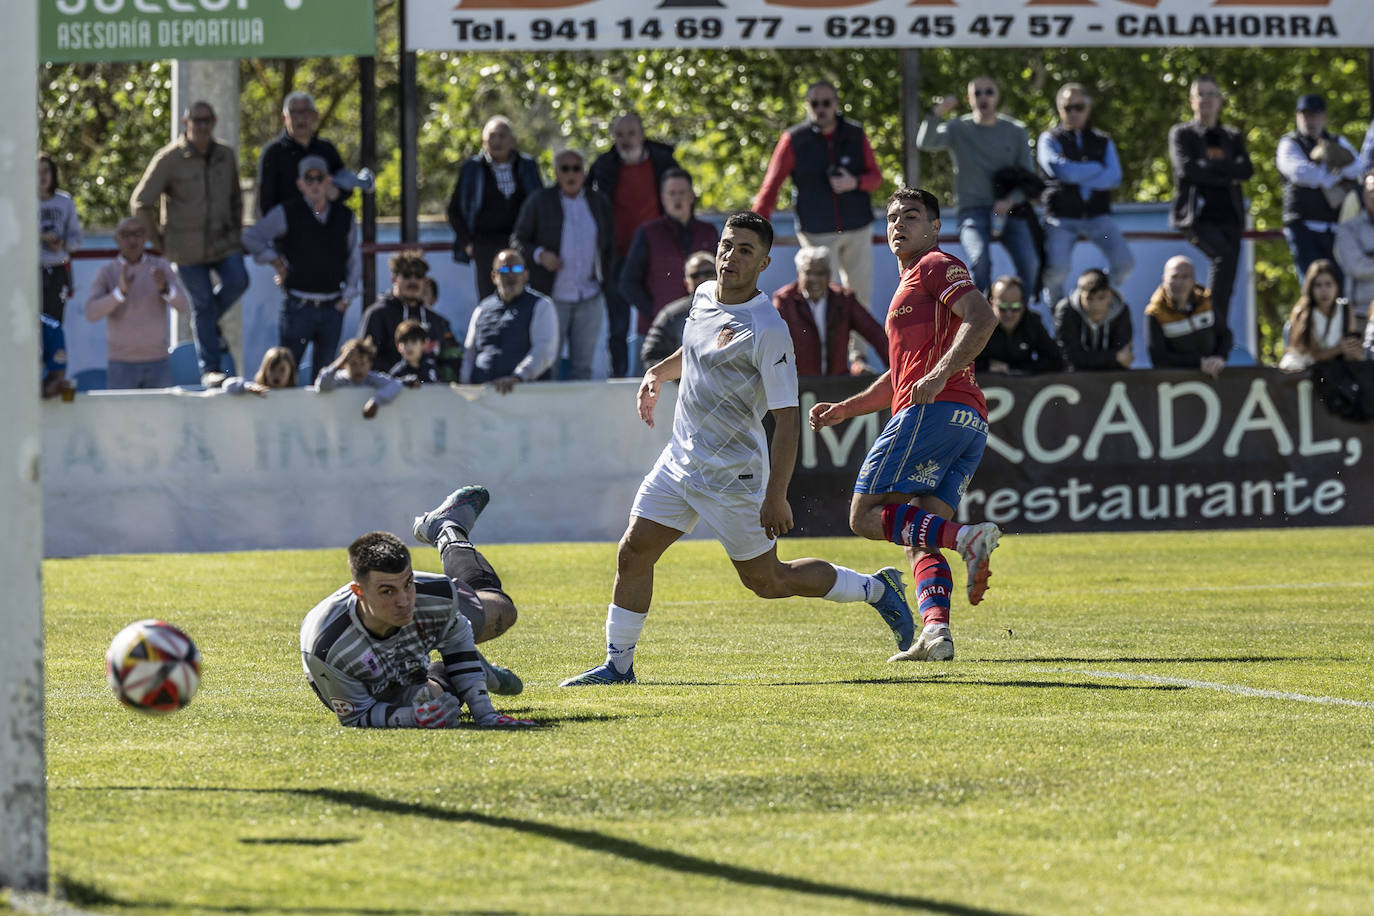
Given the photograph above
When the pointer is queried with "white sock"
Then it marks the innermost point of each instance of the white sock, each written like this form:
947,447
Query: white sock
622,632
853,586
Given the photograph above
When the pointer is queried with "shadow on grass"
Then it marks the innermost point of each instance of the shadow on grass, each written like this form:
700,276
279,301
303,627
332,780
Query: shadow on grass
1171,660
78,893
592,840
296,840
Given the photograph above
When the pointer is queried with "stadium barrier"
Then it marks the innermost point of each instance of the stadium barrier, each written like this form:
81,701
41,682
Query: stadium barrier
1131,450
128,472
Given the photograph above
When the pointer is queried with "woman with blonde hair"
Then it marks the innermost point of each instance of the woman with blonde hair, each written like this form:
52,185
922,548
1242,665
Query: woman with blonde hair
278,370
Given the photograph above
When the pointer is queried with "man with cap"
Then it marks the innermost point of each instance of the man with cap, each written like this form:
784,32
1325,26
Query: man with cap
312,244
1318,170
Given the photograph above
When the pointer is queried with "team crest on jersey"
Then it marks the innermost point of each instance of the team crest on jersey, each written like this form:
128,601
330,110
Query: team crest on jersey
926,474
726,335
955,272
369,661
340,706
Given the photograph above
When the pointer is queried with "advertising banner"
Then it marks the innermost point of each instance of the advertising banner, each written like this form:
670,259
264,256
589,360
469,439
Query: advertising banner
471,25
1125,451
106,30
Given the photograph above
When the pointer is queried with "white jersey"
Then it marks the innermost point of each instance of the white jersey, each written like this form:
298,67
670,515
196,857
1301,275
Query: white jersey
737,364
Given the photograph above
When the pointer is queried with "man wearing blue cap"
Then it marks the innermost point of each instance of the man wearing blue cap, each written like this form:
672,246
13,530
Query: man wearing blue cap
1318,170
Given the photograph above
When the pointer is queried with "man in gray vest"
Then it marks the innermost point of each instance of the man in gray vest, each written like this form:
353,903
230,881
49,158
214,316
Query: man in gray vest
312,245
1082,169
513,335
1314,165
834,172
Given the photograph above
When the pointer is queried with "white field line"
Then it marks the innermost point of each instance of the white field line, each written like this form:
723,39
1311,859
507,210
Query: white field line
1253,587
1214,685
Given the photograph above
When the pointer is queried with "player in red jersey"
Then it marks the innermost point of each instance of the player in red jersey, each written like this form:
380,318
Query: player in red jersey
918,469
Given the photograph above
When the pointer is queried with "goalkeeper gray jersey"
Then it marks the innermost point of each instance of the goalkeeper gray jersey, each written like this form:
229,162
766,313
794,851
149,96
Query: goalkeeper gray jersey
737,364
367,680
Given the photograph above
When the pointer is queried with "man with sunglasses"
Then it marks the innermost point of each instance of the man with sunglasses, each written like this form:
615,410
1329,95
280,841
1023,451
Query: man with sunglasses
566,238
197,178
1020,344
1083,169
981,144
834,173
513,334
312,245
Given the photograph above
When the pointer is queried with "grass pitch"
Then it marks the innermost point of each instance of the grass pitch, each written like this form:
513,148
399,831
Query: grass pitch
1158,723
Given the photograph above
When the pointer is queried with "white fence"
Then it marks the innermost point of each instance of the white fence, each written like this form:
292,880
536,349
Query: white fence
163,471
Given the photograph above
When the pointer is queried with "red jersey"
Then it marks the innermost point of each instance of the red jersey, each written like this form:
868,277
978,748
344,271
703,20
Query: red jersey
921,328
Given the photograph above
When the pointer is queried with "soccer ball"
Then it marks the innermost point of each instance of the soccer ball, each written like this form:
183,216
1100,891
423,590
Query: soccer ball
153,667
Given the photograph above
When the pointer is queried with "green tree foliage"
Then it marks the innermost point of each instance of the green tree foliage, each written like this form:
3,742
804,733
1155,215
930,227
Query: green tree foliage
723,109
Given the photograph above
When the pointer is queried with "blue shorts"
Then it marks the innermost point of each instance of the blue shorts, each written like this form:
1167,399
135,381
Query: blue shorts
926,449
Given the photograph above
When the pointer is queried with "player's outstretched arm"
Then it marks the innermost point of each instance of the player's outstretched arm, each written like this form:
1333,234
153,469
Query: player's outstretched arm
873,398
666,371
775,516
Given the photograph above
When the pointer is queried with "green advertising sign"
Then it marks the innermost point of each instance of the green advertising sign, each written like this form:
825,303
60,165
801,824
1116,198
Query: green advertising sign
102,30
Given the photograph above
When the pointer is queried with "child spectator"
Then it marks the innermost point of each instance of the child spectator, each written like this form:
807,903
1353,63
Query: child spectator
278,370
447,350
416,366
354,367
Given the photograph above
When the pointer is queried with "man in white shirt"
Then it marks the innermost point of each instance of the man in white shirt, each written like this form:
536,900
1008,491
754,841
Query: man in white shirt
736,364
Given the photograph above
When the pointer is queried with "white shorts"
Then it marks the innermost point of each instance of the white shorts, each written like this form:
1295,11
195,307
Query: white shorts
677,504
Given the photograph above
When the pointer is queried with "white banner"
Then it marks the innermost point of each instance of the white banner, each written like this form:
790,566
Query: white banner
159,471
472,25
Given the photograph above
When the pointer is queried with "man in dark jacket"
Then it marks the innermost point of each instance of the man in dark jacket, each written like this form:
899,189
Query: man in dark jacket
279,164
652,274
822,316
629,175
1183,328
1019,345
1210,163
406,302
835,173
1093,325
486,200
565,235
665,333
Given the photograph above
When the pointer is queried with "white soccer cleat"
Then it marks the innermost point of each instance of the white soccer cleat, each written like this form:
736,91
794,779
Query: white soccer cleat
935,644
976,544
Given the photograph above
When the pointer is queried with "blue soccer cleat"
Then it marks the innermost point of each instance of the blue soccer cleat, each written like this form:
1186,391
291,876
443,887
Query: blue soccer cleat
461,508
603,675
891,604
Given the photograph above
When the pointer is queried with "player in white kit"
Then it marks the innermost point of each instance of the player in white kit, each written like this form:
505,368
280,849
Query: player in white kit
736,364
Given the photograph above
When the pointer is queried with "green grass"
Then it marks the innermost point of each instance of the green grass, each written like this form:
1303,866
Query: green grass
770,761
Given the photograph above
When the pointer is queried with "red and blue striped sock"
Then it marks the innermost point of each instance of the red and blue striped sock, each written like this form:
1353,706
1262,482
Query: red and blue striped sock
933,587
908,526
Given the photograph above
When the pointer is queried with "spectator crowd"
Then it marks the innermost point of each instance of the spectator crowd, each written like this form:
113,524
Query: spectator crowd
591,275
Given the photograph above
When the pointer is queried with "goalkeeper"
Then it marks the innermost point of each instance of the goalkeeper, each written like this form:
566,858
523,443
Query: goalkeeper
366,648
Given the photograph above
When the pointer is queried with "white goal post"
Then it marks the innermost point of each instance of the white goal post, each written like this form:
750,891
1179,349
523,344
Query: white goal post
23,795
